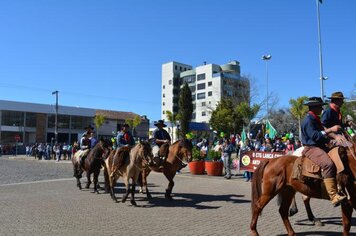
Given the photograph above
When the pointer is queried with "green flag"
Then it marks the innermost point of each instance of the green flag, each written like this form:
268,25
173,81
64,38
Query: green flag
243,135
270,130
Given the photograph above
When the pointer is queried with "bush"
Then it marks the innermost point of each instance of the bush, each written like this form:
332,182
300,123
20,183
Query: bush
196,154
214,155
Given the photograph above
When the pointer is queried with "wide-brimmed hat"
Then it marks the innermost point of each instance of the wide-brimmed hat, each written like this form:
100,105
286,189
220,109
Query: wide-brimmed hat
337,95
160,122
314,101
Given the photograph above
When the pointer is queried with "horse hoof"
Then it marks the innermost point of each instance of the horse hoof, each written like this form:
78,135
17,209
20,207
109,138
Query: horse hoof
133,203
292,212
149,196
87,186
123,200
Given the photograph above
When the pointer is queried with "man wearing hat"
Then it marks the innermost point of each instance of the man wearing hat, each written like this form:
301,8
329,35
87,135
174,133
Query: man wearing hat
124,137
160,136
332,115
314,139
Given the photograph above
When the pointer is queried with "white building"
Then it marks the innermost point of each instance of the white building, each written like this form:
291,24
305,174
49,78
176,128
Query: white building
208,84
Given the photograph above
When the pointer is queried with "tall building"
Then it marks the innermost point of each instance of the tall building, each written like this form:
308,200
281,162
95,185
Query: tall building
209,83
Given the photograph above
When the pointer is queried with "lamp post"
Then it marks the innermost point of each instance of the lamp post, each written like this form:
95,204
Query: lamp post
267,58
322,78
56,117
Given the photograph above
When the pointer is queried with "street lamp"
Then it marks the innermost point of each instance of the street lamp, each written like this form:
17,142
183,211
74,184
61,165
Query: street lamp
322,78
56,117
267,58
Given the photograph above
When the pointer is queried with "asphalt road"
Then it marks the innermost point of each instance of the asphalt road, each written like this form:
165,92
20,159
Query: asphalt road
41,198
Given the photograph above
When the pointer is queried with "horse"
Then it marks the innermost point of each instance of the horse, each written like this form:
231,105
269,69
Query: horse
92,163
177,152
127,163
274,177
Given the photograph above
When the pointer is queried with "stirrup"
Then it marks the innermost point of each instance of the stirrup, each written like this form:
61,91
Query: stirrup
338,199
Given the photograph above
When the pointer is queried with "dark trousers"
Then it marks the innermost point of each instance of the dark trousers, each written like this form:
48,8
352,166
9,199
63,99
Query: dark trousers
322,159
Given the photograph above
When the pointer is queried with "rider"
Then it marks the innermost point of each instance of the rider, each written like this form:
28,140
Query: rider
314,139
160,136
124,137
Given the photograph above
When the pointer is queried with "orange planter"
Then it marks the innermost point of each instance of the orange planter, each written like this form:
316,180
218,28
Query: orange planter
214,168
197,167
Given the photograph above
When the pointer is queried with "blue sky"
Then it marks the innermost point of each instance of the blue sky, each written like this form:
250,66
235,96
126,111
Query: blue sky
108,54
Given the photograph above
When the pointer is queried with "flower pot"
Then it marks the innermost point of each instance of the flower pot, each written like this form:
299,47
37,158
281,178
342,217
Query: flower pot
214,168
197,167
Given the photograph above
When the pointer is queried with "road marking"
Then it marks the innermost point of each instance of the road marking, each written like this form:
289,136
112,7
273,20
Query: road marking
37,182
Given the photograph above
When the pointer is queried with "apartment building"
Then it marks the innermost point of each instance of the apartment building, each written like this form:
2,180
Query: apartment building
209,83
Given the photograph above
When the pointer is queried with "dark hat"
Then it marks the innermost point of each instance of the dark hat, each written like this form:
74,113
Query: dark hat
160,122
125,125
314,101
89,127
337,95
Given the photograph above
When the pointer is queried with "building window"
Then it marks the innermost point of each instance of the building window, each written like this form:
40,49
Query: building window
63,121
164,86
203,113
79,122
163,112
200,95
164,95
210,93
31,119
200,76
175,67
203,104
164,103
170,82
180,68
210,83
201,86
12,118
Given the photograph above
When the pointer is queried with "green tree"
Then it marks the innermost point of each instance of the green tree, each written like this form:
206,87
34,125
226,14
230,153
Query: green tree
246,113
298,110
99,121
172,118
185,109
133,123
223,117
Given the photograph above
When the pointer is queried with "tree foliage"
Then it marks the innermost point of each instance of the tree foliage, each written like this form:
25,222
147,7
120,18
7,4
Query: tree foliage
298,110
185,109
134,122
99,121
172,118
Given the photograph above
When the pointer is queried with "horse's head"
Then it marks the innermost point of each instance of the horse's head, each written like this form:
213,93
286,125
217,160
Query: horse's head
145,150
185,147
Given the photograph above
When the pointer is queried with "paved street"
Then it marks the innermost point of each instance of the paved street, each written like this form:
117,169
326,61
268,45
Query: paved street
41,198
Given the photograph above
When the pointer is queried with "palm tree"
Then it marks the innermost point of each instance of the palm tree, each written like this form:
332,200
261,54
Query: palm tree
172,118
298,110
99,121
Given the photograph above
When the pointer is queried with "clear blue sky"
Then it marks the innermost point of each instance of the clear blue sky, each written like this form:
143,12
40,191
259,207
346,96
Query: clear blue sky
108,54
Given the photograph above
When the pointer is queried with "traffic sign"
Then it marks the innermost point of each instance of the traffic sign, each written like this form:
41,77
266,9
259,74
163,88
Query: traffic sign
17,137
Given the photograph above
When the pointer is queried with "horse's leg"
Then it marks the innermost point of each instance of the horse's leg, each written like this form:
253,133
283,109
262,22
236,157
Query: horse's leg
133,186
88,180
112,181
127,184
346,210
293,208
286,196
106,178
76,175
169,176
144,183
310,214
95,181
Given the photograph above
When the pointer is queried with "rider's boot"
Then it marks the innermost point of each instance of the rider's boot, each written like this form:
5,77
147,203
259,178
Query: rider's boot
330,185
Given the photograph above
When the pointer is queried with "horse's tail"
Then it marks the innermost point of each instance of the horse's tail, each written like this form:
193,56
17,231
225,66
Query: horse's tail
257,180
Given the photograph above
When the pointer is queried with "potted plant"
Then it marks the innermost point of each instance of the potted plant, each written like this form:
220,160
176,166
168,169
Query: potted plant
197,165
214,166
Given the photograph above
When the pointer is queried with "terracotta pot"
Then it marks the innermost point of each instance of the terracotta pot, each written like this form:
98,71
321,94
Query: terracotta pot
214,168
197,167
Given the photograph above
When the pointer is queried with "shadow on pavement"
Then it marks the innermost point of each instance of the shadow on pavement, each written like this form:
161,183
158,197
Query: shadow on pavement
319,233
326,221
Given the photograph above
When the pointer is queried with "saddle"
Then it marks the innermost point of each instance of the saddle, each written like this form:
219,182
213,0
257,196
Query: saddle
304,167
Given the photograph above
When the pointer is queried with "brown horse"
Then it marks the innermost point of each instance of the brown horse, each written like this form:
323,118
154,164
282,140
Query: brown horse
177,152
127,163
92,163
274,176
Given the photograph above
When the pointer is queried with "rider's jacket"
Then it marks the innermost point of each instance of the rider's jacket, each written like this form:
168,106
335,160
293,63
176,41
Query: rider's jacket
331,117
313,132
160,134
124,139
85,143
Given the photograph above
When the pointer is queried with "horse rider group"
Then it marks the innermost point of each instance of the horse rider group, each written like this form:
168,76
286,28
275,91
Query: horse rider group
318,133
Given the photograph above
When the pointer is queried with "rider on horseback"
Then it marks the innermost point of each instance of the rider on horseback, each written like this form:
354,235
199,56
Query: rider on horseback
160,136
314,139
124,137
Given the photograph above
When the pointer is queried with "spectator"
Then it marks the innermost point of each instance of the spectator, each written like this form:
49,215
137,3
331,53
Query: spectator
27,150
227,149
289,147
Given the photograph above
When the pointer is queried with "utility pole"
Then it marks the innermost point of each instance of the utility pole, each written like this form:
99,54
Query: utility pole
56,118
320,53
267,58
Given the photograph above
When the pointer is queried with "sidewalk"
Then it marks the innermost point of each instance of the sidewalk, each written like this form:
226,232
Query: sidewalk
32,158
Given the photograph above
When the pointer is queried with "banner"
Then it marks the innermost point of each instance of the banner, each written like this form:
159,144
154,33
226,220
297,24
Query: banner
251,159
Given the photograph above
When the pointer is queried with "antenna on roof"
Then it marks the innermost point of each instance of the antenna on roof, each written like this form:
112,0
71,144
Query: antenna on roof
204,62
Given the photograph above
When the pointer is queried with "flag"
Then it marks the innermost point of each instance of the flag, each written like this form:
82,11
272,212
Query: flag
270,130
243,135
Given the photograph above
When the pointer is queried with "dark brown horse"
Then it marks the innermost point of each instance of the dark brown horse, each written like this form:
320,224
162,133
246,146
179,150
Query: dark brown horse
92,163
274,176
127,163
177,152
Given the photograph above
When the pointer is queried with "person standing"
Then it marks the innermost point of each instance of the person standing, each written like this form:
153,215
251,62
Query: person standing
314,139
227,150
